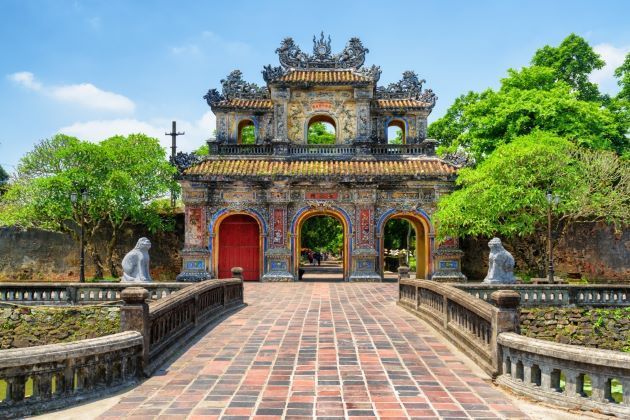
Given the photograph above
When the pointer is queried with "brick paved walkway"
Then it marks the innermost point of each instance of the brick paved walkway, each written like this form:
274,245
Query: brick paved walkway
317,350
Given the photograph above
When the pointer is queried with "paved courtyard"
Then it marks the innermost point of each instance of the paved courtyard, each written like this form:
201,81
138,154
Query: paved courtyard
326,350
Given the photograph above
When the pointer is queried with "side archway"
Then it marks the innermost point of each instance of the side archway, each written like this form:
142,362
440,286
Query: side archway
296,231
424,233
238,239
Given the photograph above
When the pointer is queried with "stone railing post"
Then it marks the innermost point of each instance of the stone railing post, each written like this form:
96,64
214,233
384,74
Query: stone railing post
506,319
134,316
237,272
403,272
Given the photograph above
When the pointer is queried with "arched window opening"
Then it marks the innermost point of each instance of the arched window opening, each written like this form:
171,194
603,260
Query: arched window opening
321,130
396,132
246,132
321,249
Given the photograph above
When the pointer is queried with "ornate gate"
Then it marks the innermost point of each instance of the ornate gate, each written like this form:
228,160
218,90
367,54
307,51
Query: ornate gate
239,246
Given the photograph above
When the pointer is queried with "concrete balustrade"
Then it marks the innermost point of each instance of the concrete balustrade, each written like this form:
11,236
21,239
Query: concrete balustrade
570,376
77,293
560,374
556,295
471,324
58,375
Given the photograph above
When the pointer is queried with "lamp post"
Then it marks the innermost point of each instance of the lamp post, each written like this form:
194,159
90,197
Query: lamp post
552,200
74,197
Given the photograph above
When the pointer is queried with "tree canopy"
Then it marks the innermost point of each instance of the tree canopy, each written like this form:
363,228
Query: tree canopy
623,75
123,176
322,233
4,177
505,195
320,133
552,95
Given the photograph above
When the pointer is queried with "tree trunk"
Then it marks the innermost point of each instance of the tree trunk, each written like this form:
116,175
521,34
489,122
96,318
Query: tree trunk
98,263
111,246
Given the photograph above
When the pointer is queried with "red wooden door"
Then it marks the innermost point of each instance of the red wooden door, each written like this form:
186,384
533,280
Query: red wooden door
239,246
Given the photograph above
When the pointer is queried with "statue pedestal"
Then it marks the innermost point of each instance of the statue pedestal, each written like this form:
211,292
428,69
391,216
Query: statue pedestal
447,262
194,265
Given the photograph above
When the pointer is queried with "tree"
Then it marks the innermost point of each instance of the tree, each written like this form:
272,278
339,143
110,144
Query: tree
322,233
623,74
319,133
248,135
505,194
572,61
398,139
530,99
4,179
124,177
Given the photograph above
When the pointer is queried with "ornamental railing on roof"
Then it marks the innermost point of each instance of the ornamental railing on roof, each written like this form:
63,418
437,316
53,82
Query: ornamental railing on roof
427,148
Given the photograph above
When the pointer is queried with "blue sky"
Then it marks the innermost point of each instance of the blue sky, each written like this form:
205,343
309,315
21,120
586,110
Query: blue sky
95,68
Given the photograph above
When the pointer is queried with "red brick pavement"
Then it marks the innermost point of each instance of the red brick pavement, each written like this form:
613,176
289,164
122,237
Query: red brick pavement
326,350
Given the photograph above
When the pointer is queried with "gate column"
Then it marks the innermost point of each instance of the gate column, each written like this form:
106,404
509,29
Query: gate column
195,255
363,251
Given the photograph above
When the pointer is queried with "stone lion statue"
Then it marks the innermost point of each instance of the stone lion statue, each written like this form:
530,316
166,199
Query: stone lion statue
135,265
500,264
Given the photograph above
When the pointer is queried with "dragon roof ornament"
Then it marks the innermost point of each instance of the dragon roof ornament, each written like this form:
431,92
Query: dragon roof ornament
234,87
409,87
352,56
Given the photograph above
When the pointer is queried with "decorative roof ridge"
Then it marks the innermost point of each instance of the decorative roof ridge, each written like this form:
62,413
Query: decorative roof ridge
234,87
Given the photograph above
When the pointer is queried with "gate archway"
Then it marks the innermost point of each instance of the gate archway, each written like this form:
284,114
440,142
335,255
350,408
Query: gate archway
296,233
422,251
238,243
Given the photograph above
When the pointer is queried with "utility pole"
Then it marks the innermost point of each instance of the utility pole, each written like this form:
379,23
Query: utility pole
173,135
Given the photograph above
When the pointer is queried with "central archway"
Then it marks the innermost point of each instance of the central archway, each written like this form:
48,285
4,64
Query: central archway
297,237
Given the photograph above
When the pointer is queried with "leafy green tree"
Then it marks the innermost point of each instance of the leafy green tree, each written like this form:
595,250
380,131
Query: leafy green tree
202,150
506,194
572,61
318,133
123,176
4,179
398,139
322,233
623,74
248,135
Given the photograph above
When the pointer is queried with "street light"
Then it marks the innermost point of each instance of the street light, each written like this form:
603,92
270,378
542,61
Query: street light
552,200
74,197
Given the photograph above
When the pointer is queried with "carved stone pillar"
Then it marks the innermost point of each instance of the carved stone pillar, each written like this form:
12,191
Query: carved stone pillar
195,255
280,97
363,261
278,254
363,97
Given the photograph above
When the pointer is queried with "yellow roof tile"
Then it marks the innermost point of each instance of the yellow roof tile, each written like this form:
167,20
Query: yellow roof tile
259,167
324,76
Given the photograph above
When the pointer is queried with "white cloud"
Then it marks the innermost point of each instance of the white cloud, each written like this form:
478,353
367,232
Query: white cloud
197,132
88,95
210,42
189,49
614,57
84,94
26,79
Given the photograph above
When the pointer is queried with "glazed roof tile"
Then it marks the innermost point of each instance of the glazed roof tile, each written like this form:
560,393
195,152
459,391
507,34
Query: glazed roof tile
400,103
247,103
252,167
324,76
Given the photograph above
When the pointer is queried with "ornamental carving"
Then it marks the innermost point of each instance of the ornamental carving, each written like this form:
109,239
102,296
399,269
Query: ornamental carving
234,87
409,87
351,57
